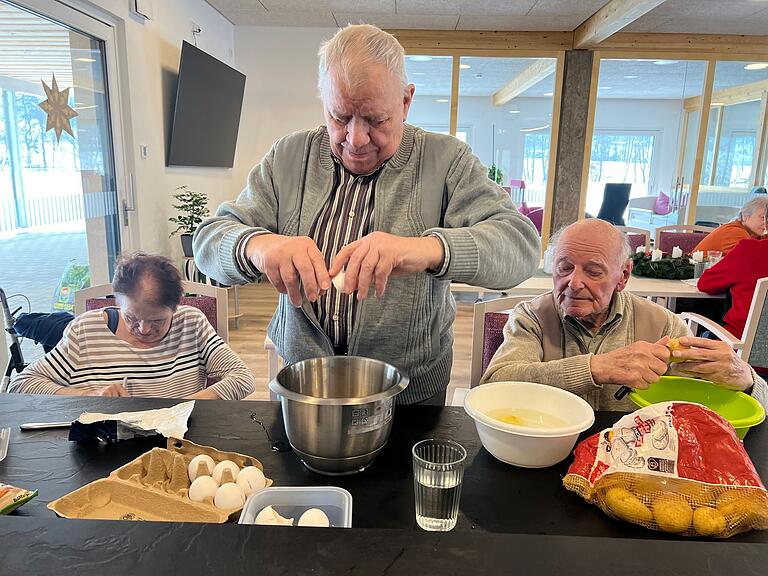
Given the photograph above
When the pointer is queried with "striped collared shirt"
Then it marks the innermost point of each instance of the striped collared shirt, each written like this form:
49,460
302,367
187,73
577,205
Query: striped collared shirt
348,216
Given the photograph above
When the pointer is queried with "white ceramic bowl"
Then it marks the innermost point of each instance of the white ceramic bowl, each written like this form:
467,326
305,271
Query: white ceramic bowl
521,445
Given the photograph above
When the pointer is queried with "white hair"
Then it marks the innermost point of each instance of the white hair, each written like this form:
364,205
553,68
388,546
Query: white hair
759,203
355,48
620,238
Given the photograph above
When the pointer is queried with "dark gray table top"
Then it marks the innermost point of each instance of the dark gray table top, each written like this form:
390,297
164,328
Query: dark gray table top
501,508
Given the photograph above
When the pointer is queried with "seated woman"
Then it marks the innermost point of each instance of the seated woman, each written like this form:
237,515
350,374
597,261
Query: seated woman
147,346
750,223
738,272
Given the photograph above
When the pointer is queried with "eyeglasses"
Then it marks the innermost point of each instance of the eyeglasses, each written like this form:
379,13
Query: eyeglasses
154,324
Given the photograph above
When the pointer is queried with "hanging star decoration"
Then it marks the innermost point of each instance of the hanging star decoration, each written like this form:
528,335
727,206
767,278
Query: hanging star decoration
56,107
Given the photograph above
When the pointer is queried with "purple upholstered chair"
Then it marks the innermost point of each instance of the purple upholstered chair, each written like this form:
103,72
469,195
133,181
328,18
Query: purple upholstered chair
684,236
489,318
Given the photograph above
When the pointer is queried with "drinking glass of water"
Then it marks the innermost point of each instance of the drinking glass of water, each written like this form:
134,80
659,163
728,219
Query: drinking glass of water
438,469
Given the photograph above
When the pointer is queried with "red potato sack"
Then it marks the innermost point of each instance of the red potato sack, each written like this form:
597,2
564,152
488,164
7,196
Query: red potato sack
676,467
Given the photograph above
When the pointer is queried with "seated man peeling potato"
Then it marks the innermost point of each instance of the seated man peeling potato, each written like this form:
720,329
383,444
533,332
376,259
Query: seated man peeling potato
589,336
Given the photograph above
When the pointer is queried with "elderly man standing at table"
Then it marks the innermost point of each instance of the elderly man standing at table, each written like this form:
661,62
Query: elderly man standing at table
589,336
402,211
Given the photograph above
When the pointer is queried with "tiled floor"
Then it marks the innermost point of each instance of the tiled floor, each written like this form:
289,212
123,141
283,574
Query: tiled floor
32,263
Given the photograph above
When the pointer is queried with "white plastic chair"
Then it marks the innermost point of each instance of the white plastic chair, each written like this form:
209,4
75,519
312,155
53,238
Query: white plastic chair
753,345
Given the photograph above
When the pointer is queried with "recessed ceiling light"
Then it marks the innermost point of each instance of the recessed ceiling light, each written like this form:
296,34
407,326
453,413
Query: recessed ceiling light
717,104
465,66
605,87
534,129
630,77
418,73
756,66
420,58
442,100
547,94
84,60
514,111
664,62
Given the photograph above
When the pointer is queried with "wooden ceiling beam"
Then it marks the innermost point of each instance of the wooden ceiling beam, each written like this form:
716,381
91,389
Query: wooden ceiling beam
614,16
530,76
733,95
416,41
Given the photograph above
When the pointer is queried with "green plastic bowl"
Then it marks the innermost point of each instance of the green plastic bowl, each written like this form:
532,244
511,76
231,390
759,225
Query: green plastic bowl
740,409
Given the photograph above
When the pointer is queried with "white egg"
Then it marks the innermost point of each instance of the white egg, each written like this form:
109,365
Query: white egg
251,479
225,465
269,517
207,462
229,496
338,280
314,517
202,487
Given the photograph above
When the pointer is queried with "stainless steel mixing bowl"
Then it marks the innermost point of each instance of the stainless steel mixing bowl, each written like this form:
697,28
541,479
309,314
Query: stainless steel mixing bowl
338,410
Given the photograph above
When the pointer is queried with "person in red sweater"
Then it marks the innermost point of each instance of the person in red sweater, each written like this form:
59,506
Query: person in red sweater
738,272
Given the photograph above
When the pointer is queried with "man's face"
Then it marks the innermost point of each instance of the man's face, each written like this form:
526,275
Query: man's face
365,125
586,273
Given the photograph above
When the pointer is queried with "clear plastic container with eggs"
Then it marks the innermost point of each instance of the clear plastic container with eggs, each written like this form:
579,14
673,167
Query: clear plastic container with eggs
316,506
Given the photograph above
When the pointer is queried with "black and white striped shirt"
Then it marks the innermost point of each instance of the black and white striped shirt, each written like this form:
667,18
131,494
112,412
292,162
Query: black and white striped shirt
348,216
90,355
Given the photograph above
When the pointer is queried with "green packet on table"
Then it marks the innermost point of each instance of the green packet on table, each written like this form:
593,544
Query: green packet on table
12,497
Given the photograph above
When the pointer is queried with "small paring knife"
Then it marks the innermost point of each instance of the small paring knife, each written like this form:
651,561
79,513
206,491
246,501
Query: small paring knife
44,425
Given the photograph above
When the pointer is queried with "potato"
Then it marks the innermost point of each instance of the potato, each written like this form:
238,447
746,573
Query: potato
626,506
672,513
708,522
674,344
743,505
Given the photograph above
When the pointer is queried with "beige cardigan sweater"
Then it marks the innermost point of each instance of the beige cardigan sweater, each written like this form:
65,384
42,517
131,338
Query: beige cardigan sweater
541,346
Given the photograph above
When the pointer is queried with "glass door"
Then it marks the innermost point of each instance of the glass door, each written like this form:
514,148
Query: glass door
736,125
59,227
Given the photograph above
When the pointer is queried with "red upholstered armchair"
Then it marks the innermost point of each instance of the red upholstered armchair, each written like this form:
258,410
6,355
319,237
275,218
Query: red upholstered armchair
211,300
684,236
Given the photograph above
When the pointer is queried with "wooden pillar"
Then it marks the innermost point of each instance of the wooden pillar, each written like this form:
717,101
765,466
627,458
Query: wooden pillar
571,141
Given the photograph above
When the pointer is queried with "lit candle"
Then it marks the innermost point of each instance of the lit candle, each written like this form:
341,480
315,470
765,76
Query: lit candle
676,252
698,256
640,250
656,255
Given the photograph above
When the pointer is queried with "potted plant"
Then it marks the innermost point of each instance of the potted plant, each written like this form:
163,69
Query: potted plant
193,207
496,174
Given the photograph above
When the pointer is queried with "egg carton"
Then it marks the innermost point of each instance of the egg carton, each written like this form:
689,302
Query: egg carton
152,487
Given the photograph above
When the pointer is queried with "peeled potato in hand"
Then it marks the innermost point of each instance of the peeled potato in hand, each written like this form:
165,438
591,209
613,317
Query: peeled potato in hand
627,506
674,344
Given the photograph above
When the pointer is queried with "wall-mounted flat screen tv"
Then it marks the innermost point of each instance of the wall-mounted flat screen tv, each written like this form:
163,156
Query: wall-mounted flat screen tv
206,114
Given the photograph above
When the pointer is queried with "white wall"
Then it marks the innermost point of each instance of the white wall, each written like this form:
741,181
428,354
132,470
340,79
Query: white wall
280,92
149,52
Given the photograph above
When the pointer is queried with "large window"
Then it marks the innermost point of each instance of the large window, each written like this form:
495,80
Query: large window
58,198
644,139
620,157
431,106
732,157
536,158
507,105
